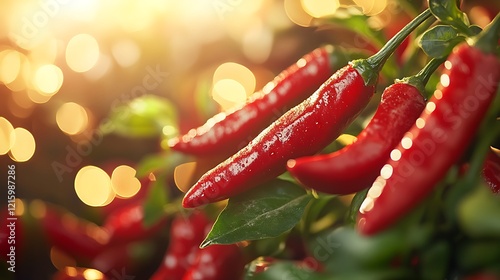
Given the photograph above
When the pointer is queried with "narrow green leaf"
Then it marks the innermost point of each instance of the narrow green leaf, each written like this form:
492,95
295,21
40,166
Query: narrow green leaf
287,177
356,202
155,202
145,116
159,163
439,41
268,211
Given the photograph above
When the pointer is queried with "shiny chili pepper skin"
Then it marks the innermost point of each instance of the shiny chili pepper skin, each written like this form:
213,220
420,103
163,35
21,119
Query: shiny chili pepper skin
186,235
354,167
217,262
303,130
491,171
226,132
127,224
438,138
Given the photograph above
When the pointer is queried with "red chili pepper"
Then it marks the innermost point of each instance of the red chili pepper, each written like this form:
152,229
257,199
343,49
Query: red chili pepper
355,167
491,171
186,235
226,132
303,130
439,137
123,261
78,238
217,262
127,224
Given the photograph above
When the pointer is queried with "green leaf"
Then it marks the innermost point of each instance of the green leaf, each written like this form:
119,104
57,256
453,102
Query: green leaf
268,211
356,202
155,202
477,254
287,270
145,116
435,260
287,177
159,163
203,100
323,212
439,41
478,213
448,12
344,250
292,271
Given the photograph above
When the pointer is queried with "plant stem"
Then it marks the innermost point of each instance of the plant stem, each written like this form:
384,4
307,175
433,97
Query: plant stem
370,67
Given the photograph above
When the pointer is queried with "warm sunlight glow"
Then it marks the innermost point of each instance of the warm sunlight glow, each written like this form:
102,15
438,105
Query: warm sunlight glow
49,79
371,7
72,118
93,186
237,72
124,182
82,52
295,12
183,174
92,274
229,93
24,145
60,260
126,52
320,8
7,137
10,65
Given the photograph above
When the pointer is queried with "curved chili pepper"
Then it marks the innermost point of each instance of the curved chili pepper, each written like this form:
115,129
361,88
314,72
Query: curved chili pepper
78,238
217,262
303,130
438,138
356,166
186,234
127,224
124,259
226,132
491,171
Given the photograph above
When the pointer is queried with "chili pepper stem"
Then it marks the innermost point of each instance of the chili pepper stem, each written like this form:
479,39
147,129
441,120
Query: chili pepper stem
485,41
370,67
420,79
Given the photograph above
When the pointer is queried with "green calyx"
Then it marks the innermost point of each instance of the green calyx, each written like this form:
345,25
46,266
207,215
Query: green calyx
369,68
420,79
